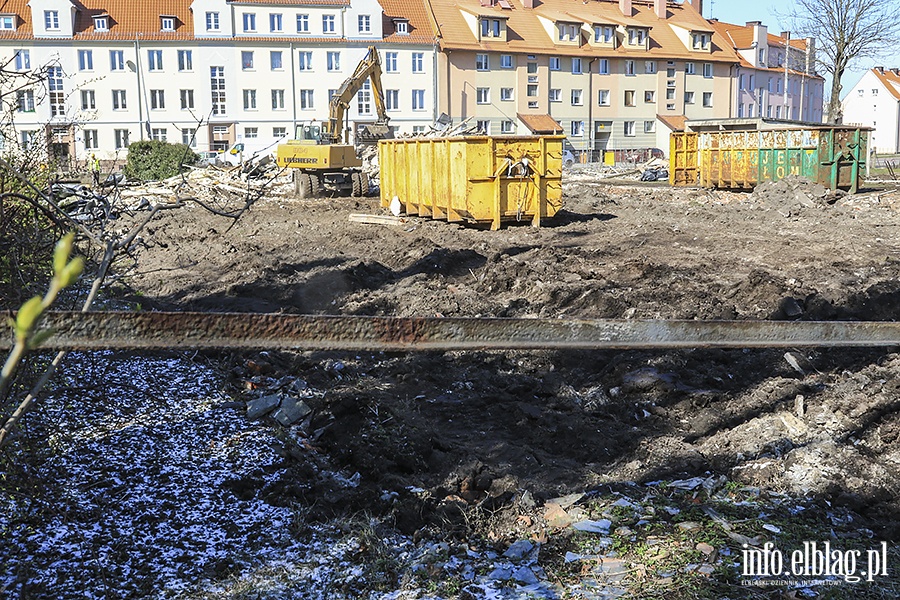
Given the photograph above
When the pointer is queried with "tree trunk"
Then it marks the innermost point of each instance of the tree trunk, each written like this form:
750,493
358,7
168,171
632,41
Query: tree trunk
835,114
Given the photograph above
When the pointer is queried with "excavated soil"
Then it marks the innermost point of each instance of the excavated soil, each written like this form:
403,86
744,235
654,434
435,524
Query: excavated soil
432,434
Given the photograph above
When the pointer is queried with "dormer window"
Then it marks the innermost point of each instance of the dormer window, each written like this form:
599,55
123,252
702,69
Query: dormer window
51,20
101,23
490,28
167,23
637,36
401,26
569,32
604,34
700,40
7,22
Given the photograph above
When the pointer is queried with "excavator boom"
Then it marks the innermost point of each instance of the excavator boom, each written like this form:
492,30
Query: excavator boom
368,69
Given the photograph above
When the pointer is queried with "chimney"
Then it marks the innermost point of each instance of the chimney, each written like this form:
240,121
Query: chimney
625,7
698,6
528,3
786,35
659,7
880,70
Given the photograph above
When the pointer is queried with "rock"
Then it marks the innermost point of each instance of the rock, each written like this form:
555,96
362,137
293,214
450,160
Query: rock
291,411
601,526
262,406
500,574
518,550
705,548
688,525
525,576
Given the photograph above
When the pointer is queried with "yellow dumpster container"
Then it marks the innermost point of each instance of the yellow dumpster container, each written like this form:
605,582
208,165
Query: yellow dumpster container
474,179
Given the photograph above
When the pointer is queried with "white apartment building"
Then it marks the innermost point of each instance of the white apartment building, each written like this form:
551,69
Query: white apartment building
875,102
210,73
776,76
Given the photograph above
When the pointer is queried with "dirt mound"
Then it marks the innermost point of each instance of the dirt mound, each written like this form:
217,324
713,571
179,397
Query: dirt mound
792,194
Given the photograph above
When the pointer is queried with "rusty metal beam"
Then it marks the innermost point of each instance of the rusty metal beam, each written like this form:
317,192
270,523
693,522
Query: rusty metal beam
183,331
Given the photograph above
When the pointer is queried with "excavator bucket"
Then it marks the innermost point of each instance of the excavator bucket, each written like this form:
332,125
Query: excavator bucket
372,132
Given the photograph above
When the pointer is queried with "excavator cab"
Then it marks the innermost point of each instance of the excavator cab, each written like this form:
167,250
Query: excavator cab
310,132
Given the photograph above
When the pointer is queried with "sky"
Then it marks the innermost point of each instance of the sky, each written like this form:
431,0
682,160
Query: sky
741,11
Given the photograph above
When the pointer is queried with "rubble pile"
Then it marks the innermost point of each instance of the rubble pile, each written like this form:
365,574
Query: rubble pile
790,195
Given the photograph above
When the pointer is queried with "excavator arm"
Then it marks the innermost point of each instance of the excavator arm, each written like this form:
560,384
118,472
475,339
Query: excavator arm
368,69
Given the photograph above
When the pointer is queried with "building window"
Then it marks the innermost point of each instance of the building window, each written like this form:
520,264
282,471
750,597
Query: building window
334,61
154,60
187,99
57,95
277,99
158,134
246,60
157,99
603,97
364,24
483,127
576,98
364,99
418,60
302,23
217,89
23,60
327,23
649,96
689,68
741,83
418,99
603,33
185,60
507,127
118,100
306,99
555,95
189,137
249,99
167,23
576,66
577,128
629,98
212,21
249,20
637,37
8,22
25,100
279,132
650,67
649,126
116,60
874,91
392,99
276,23
567,32
629,67
707,99
670,93
28,139
490,27
628,128
90,139
390,62
762,55
88,100
689,97
531,67
121,136
85,60
251,132
700,41
483,95
741,110
481,62
401,26
554,63
506,94
305,61
275,62
707,70
603,66
532,90
51,20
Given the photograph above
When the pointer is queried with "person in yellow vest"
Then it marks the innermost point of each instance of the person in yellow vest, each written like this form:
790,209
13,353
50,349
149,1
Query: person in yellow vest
95,169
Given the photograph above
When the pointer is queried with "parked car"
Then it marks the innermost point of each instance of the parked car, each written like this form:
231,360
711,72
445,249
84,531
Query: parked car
568,158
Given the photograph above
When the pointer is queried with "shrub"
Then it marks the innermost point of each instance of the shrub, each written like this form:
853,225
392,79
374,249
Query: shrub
155,160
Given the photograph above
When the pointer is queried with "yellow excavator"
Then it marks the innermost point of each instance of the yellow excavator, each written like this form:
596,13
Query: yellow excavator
321,154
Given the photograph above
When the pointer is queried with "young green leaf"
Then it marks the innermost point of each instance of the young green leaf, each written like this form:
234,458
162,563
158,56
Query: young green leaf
62,251
27,316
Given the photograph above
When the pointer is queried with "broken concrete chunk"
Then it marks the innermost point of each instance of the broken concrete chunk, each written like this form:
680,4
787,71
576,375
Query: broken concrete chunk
601,526
291,411
262,406
518,550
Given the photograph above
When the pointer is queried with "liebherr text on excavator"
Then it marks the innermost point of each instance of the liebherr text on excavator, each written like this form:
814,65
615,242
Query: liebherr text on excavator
321,154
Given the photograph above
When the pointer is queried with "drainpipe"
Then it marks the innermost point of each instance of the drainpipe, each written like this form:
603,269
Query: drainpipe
591,107
293,93
137,70
449,94
434,78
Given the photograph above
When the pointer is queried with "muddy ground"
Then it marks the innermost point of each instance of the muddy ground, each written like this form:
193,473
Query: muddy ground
435,436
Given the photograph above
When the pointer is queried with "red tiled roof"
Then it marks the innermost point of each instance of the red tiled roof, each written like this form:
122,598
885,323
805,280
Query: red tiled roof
293,2
19,7
421,27
673,122
890,80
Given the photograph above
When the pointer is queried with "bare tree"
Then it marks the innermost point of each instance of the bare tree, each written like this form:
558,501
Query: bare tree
846,30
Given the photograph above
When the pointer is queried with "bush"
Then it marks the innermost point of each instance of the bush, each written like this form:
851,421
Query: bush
155,160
